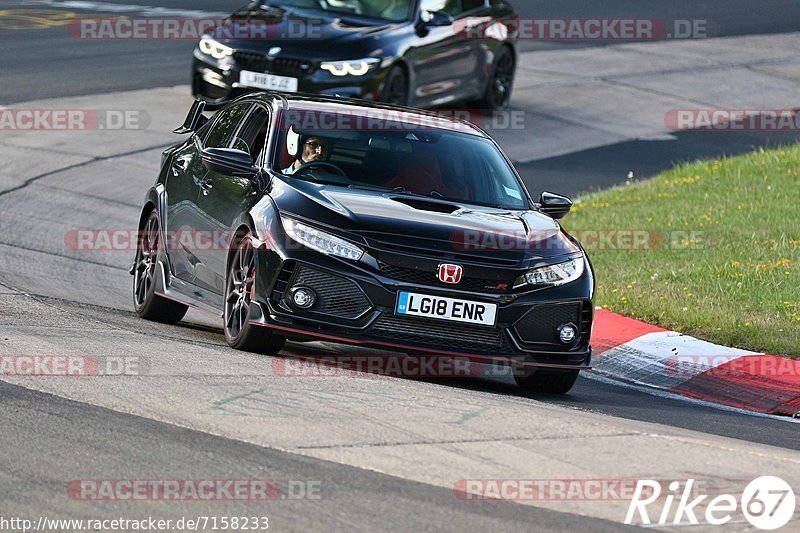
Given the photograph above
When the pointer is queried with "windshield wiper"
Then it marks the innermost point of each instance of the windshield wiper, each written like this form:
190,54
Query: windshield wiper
367,187
434,194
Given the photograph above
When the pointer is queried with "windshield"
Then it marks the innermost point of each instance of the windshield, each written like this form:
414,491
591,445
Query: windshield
346,150
391,10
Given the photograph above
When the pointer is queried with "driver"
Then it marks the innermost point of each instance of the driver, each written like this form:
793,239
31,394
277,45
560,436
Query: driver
313,149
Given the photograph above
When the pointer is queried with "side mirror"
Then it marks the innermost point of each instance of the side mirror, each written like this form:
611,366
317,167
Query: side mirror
430,19
230,161
554,205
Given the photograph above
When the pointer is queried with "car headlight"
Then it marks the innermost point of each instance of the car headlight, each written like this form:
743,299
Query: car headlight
558,274
321,241
215,49
354,67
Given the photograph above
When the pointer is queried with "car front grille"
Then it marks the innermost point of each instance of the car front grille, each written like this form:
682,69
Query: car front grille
538,326
438,333
258,62
425,277
336,296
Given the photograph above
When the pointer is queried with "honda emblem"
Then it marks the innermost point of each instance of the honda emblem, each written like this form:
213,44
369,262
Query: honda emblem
449,273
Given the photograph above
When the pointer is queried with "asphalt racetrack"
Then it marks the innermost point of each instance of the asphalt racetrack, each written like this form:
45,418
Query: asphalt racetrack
369,452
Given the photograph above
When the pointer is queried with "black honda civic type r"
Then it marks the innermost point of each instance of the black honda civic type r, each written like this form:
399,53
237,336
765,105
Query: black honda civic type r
422,53
305,217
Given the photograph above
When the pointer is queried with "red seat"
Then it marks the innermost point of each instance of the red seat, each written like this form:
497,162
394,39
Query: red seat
421,174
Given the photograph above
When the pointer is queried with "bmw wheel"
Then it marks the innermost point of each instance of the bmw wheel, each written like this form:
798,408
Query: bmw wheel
239,290
146,302
395,87
498,91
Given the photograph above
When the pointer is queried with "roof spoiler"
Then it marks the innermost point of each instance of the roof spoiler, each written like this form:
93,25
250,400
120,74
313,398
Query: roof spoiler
195,118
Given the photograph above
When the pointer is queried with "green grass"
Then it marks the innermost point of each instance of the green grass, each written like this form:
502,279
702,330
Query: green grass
727,266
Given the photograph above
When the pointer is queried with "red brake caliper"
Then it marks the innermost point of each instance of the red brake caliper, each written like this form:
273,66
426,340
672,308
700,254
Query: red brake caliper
253,286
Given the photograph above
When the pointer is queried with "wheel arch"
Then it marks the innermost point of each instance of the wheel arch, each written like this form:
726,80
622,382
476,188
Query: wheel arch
243,227
511,50
154,200
148,207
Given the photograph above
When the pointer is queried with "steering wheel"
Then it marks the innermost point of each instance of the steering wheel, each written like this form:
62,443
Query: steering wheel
307,166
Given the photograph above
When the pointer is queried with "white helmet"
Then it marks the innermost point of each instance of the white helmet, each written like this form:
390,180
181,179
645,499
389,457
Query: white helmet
293,143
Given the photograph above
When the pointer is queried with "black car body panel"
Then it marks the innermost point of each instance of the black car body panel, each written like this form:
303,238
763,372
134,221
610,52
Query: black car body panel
404,245
443,64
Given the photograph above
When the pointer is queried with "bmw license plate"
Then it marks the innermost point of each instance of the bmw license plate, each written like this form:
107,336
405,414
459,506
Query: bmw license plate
410,303
270,82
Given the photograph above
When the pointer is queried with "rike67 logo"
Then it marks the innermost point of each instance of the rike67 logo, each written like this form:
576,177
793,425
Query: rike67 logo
767,503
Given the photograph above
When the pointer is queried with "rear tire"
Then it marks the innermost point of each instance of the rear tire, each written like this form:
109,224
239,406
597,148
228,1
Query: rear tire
239,286
146,302
546,380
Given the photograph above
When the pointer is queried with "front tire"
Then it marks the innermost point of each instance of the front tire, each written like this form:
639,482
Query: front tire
239,289
146,302
546,380
395,87
498,90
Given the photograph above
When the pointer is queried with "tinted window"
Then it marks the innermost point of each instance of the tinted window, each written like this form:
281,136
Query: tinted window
253,133
393,10
224,125
408,157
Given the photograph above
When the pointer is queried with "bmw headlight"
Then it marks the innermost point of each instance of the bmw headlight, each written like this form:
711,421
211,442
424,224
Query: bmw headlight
215,49
558,274
354,67
321,241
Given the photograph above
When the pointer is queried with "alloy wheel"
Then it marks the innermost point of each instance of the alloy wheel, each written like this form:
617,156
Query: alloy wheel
240,286
501,84
146,260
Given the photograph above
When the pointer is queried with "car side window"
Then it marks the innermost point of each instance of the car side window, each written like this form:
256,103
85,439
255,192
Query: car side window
224,125
252,134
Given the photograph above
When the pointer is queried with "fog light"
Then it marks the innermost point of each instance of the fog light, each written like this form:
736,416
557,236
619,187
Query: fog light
303,297
567,333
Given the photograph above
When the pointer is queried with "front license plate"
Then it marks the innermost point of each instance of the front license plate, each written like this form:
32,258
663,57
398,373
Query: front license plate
410,303
270,82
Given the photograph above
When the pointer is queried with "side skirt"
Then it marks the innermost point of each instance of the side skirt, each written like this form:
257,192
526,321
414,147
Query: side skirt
189,294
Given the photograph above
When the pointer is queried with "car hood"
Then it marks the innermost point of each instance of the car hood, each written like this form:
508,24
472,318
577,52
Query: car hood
401,220
297,31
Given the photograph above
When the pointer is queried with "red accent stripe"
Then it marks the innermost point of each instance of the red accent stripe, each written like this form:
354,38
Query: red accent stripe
411,348
763,383
611,330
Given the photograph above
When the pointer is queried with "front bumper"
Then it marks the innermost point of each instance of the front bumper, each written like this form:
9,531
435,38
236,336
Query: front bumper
219,80
356,305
